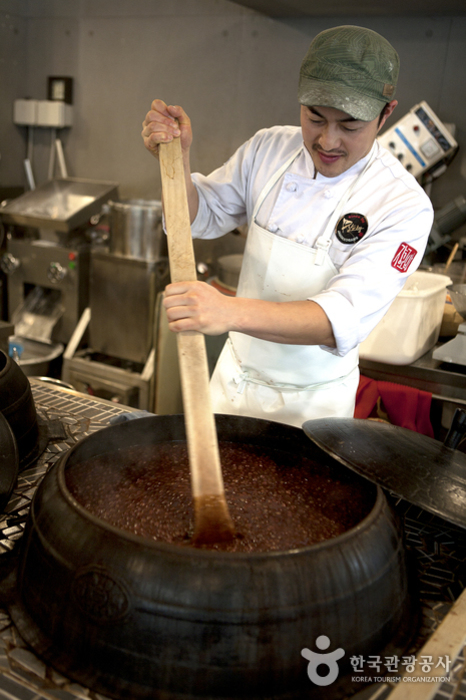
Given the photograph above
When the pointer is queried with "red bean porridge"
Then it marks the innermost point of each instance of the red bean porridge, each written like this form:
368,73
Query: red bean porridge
277,501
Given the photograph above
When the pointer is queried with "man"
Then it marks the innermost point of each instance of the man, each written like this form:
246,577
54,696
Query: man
336,224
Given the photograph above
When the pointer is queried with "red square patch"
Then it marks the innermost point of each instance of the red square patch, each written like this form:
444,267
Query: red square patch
403,257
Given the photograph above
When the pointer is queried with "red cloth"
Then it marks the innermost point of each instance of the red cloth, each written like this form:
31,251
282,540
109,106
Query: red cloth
404,405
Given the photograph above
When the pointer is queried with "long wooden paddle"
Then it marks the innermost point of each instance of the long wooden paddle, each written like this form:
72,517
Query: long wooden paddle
212,522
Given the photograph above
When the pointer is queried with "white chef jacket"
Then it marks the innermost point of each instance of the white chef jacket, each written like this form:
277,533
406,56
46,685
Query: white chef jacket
397,210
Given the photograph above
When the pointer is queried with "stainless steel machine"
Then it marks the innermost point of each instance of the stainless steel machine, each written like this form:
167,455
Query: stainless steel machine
119,360
60,271
47,258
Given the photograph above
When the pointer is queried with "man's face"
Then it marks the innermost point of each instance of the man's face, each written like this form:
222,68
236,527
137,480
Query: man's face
335,140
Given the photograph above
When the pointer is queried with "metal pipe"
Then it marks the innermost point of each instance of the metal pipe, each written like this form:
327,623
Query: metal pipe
61,158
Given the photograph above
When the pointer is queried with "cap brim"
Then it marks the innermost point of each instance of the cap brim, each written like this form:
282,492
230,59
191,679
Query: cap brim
314,93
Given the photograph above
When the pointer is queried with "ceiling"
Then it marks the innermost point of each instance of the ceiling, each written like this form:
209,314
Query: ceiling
375,8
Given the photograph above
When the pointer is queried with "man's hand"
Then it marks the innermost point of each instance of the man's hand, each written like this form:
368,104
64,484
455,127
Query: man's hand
164,123
197,306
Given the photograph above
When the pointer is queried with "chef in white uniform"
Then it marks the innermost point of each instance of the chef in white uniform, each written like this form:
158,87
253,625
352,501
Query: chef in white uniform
335,226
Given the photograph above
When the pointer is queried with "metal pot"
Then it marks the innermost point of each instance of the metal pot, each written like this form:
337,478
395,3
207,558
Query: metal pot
229,268
36,357
130,617
136,229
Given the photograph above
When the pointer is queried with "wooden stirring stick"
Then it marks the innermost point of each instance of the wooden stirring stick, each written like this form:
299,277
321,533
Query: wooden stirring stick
212,522
451,256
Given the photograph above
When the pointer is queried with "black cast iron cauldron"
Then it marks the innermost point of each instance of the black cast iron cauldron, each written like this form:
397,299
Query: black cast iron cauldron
18,407
9,461
132,618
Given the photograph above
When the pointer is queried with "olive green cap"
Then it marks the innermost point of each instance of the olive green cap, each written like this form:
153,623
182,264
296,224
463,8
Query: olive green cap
353,69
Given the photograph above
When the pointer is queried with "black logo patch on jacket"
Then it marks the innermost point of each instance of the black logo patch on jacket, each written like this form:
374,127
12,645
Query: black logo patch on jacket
351,228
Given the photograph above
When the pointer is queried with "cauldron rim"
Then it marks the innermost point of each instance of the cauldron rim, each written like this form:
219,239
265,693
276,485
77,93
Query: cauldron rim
190,551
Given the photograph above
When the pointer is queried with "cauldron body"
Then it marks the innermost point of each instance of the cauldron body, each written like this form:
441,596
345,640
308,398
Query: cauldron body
18,407
129,617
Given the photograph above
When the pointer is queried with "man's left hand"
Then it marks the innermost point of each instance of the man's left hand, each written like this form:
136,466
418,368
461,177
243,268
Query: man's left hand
197,306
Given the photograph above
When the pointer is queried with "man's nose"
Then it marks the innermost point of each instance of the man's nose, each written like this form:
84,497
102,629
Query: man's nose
329,138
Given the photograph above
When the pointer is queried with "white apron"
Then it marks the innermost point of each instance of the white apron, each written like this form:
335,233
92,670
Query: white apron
275,381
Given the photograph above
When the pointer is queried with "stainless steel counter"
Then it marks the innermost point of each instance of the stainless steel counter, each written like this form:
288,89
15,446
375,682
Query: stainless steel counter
444,381
439,550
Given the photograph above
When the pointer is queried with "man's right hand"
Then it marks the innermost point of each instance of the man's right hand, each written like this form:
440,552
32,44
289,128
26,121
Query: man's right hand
163,123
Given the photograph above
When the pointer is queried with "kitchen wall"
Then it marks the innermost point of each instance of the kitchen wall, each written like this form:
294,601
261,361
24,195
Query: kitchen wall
233,70
12,84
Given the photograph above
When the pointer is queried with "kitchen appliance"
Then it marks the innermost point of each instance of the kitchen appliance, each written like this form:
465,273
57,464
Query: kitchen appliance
48,250
117,361
128,278
57,270
446,221
421,142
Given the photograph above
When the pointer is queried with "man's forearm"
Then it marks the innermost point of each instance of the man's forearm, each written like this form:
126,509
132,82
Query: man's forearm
294,323
197,306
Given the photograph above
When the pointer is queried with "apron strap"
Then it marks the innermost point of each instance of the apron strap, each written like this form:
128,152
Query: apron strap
323,242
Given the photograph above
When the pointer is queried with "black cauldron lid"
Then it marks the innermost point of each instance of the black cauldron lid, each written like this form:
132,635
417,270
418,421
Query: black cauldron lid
417,468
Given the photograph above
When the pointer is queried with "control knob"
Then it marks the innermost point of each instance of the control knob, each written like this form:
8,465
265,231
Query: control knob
56,272
9,263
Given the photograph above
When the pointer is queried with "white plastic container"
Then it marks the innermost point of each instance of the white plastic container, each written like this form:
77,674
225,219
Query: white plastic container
411,326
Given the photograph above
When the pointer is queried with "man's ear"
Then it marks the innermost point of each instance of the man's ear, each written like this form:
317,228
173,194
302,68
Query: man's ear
389,107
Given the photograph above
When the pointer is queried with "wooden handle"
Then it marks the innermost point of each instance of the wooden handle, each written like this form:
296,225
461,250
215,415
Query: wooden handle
176,212
451,256
212,520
